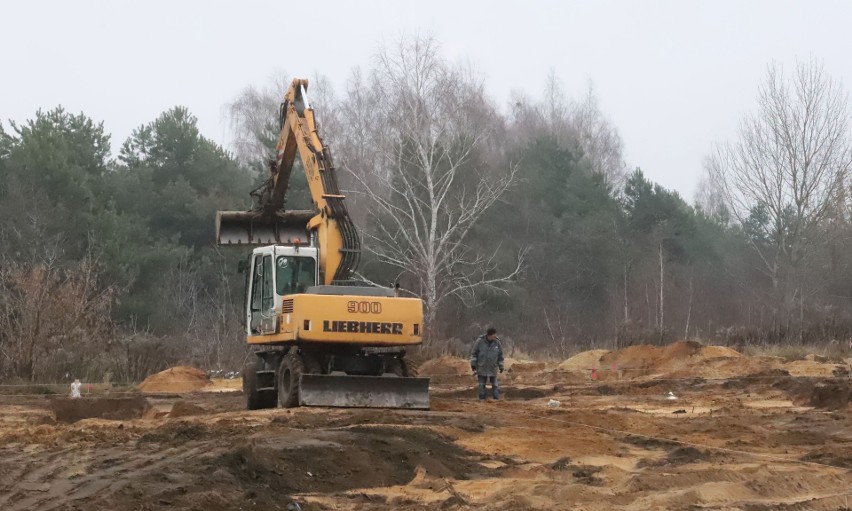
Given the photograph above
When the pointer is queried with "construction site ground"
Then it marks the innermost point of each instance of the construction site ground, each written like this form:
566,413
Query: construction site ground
689,429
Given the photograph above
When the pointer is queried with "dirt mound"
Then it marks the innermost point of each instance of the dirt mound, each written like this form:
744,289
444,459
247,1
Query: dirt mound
719,352
113,408
649,357
445,365
811,368
681,358
681,349
185,409
527,367
175,379
509,362
583,361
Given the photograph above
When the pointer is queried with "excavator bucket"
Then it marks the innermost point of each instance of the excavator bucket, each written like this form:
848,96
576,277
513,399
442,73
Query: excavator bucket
364,391
255,228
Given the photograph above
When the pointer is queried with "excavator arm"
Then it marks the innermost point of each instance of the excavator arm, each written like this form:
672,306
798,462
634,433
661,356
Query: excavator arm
328,226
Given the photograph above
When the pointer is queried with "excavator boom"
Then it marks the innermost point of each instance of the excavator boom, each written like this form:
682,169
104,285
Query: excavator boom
268,222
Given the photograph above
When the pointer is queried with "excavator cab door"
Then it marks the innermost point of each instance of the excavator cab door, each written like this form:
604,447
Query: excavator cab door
261,296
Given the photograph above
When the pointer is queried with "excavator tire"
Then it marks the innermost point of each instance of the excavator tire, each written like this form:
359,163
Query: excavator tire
411,368
255,400
404,367
289,373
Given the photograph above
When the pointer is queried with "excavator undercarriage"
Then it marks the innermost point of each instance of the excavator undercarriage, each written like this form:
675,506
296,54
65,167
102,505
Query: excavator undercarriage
292,377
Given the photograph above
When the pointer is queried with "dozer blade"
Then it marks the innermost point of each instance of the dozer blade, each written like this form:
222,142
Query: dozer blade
364,391
255,228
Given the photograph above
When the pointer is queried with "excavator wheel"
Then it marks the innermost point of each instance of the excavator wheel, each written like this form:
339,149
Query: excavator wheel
289,373
404,367
255,399
412,369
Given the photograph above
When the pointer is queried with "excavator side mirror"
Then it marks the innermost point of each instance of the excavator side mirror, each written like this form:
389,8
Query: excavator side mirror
242,265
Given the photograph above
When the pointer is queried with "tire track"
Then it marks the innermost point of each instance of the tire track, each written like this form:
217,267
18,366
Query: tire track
53,485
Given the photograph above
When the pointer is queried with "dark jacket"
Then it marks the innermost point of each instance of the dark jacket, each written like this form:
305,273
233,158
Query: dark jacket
486,357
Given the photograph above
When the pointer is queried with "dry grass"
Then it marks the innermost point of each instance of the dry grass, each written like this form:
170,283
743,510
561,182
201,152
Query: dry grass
835,352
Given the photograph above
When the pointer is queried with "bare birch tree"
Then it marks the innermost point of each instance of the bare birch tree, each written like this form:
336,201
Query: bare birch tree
253,116
599,139
780,178
253,120
428,187
575,124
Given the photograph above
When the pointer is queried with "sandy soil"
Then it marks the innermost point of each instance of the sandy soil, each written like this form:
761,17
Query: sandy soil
175,379
765,439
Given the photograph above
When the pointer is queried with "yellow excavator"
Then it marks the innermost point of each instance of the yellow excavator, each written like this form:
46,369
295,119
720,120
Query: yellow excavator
318,338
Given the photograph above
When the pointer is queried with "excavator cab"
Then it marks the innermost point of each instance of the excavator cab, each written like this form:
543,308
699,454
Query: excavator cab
275,272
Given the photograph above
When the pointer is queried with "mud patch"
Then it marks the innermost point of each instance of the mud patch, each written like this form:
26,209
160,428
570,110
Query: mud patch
830,457
112,408
175,433
561,464
684,455
825,394
649,443
677,456
358,457
831,396
606,390
767,377
506,392
585,474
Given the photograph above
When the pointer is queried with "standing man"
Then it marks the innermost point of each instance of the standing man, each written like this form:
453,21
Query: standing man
486,358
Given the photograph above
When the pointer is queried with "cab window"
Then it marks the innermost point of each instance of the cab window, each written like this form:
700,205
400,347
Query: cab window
256,283
268,297
295,274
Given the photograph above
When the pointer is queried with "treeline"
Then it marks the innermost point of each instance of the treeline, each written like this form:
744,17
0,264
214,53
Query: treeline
107,265
525,217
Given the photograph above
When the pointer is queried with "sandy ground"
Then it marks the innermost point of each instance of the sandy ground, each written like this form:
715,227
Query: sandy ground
751,442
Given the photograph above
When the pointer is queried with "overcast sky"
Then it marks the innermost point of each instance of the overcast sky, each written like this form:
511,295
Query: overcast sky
673,76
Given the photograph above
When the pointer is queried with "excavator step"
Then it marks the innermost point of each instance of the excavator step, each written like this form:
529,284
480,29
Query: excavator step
363,391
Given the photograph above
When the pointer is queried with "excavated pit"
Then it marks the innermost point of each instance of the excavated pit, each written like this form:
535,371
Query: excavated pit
113,408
